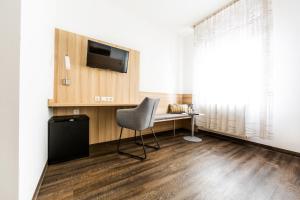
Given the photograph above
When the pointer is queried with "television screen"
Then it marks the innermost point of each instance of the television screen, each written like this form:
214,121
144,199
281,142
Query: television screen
107,57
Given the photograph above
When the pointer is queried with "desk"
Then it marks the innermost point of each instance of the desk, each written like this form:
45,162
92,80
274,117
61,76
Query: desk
52,104
103,126
63,105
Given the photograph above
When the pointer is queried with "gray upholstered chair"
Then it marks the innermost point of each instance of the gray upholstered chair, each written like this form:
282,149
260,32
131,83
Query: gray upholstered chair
138,119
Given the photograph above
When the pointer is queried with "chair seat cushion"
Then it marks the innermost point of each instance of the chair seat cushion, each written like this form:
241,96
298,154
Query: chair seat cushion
169,116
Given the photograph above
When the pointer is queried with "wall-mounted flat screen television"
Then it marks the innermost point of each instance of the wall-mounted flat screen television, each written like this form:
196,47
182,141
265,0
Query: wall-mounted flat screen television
107,57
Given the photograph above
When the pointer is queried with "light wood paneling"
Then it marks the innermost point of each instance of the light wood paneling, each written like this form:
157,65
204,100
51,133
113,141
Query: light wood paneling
86,82
165,100
187,98
103,126
57,105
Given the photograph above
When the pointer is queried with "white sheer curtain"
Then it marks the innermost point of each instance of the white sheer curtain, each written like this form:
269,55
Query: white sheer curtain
232,70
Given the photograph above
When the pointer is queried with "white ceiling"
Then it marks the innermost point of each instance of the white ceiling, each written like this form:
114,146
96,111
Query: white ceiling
173,14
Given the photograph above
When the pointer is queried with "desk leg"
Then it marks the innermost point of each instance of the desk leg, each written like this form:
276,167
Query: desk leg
174,128
192,138
193,125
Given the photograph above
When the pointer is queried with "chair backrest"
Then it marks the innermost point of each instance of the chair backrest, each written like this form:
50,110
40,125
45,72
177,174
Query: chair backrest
146,110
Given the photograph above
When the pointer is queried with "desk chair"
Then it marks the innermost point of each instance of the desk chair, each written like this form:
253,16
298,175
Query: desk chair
138,119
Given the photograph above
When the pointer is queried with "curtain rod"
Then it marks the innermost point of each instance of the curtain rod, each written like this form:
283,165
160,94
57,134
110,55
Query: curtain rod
215,13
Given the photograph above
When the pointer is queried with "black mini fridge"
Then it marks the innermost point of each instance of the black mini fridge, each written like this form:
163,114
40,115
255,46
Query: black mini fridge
68,138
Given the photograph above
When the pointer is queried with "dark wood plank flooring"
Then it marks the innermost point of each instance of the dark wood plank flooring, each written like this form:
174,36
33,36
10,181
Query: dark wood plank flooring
212,170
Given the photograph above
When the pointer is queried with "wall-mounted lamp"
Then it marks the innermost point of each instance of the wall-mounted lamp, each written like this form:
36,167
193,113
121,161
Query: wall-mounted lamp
67,62
66,80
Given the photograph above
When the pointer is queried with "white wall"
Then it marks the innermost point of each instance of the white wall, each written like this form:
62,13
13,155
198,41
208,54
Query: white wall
36,83
9,100
286,60
187,63
106,20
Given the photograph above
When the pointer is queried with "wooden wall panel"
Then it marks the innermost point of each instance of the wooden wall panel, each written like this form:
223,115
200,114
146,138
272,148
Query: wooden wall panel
187,98
103,126
165,100
86,82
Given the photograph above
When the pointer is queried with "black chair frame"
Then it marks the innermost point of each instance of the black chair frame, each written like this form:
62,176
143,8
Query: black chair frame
157,147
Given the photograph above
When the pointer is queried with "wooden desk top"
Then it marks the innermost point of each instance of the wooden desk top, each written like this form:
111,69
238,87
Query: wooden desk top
52,104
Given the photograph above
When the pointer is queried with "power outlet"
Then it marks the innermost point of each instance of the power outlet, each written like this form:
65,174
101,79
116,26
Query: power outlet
76,112
110,99
97,98
107,99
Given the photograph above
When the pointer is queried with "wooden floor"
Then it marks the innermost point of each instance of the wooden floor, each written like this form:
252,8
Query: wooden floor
213,169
